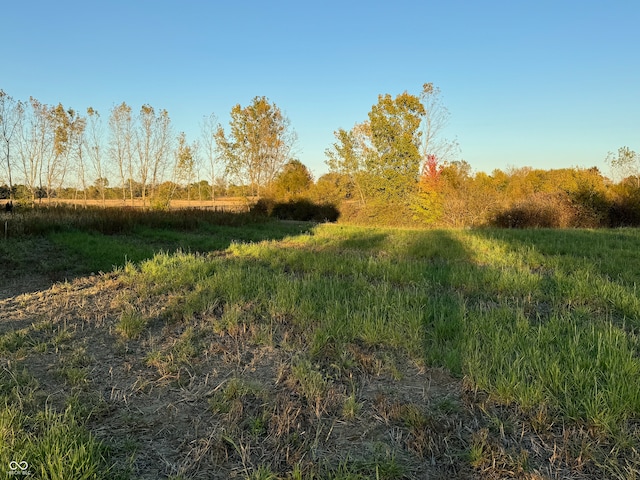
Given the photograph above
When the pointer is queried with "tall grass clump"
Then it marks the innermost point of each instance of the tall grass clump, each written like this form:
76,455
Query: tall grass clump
53,445
46,443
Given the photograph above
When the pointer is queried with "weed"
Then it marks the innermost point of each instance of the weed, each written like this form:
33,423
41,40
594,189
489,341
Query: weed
310,382
351,407
478,455
73,376
131,324
257,425
447,405
15,340
263,472
54,445
226,400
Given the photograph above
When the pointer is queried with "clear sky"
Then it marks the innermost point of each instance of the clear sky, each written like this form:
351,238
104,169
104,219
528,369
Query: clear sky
538,83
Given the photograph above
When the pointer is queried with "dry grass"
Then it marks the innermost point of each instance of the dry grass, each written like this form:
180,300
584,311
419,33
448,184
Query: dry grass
223,204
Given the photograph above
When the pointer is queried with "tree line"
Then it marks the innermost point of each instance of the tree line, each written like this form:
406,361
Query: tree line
51,151
395,167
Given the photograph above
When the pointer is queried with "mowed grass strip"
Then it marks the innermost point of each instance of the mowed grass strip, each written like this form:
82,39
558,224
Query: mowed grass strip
539,318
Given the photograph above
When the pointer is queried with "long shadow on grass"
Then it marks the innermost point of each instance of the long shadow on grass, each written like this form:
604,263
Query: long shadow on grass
391,288
33,263
524,316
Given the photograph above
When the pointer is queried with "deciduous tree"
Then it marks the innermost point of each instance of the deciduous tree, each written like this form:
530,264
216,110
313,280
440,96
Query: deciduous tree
260,142
185,162
120,145
394,161
293,182
11,114
211,152
76,150
35,142
382,156
428,200
95,151
435,119
345,158
625,164
152,139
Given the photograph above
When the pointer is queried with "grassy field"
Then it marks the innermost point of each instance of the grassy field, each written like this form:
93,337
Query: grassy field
292,351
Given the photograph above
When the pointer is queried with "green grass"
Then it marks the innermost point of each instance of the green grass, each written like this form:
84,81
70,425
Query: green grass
61,242
543,323
527,316
131,324
54,445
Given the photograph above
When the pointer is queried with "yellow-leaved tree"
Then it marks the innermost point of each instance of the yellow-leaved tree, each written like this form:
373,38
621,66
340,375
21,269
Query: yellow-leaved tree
259,144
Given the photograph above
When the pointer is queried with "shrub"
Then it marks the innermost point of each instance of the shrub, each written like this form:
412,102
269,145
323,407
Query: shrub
624,209
380,212
625,212
591,207
295,210
328,212
539,211
263,207
302,210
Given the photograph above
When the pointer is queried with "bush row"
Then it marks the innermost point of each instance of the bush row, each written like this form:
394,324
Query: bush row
560,211
303,210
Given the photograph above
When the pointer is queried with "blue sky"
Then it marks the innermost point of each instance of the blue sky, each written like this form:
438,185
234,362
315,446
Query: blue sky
546,84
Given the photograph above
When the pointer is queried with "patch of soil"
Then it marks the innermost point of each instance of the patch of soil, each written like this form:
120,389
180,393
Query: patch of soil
16,286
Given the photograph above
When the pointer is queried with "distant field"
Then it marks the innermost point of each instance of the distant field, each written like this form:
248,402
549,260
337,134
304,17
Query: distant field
231,204
293,351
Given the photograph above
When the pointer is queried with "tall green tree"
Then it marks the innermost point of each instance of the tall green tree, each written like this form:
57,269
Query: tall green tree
382,156
259,143
393,162
345,158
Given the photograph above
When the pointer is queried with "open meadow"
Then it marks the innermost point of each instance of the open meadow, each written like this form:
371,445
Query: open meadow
199,345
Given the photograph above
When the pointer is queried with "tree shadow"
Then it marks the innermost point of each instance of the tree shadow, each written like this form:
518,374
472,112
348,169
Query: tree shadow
36,262
367,241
